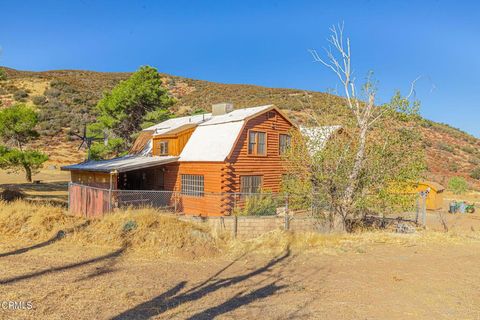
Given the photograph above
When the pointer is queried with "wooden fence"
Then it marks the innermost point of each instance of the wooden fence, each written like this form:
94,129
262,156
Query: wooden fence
88,201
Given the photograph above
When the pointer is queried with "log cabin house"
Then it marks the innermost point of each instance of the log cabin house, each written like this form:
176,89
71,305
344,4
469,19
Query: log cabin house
204,158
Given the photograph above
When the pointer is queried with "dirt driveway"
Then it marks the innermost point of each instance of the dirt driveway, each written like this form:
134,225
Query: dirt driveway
377,281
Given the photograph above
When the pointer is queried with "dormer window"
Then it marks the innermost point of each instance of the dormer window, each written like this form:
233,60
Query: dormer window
163,148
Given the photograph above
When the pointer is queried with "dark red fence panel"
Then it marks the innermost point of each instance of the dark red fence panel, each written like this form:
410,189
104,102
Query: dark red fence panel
87,201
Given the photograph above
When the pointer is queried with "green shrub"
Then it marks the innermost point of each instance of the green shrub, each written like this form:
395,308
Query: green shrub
457,185
20,95
3,75
446,147
453,166
263,204
39,100
474,161
475,173
468,149
52,92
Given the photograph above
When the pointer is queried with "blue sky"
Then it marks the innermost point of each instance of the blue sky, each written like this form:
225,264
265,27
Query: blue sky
260,42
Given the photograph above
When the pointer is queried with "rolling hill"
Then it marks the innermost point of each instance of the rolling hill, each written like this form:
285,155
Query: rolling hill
66,100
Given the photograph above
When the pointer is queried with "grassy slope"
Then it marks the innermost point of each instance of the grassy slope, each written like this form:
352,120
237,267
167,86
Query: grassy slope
72,94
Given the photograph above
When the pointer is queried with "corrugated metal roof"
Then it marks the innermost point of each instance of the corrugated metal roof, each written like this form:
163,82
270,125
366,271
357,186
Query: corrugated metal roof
236,115
172,125
178,124
212,142
121,164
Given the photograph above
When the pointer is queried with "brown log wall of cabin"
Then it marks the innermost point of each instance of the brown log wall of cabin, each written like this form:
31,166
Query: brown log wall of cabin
269,166
211,202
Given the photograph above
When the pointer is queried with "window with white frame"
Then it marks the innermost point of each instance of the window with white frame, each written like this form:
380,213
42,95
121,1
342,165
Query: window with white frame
250,184
192,185
163,148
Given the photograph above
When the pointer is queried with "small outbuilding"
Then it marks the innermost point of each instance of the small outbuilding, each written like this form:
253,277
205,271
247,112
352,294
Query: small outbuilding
435,190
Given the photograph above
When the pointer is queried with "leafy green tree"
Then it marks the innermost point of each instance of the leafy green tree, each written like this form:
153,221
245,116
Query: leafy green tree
15,159
155,116
17,125
100,151
457,185
137,101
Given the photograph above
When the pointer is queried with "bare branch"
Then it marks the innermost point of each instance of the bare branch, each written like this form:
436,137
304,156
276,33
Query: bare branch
412,86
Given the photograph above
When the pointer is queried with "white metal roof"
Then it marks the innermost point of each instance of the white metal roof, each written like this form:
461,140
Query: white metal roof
318,136
211,142
235,115
178,124
172,125
121,164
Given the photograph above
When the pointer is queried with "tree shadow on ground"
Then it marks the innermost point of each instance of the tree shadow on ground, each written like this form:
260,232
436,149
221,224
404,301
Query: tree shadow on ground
43,186
27,276
49,200
172,298
60,235
238,301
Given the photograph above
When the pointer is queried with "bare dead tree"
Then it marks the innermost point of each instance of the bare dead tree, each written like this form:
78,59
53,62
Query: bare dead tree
361,103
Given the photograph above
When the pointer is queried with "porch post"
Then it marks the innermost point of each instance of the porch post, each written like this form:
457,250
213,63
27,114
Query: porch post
110,199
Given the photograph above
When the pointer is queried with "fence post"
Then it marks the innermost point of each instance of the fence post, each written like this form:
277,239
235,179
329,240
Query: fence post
287,219
176,198
417,209
235,226
68,199
424,209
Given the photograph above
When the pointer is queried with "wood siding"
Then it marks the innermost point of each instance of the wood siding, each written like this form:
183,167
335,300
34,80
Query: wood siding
93,179
176,142
269,166
212,203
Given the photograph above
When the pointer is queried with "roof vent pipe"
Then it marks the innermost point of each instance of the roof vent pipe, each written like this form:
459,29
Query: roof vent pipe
221,108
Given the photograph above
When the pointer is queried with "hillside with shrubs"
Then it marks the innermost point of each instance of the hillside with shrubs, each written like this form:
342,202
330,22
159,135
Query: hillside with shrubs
66,99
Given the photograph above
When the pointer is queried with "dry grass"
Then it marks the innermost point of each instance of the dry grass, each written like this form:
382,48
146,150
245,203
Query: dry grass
148,233
28,221
145,231
278,241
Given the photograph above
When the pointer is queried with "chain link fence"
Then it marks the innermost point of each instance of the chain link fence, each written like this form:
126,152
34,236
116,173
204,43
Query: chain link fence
93,202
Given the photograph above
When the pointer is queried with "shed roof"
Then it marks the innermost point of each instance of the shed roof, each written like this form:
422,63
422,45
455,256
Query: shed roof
121,164
437,187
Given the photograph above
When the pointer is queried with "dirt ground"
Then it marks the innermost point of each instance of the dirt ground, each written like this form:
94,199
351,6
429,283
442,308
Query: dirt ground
372,281
53,186
368,280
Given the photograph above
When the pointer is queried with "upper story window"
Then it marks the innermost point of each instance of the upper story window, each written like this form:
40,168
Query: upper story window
284,143
257,143
192,185
163,148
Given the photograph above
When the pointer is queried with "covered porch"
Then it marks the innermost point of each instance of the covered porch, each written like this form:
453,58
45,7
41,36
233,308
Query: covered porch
132,181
